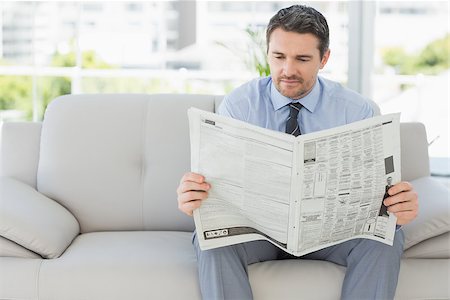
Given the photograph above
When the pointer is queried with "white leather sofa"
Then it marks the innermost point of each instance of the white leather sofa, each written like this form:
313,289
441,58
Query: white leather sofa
88,209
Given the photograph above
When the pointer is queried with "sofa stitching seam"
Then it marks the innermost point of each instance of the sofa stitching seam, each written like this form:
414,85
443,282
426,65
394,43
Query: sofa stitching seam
38,279
143,162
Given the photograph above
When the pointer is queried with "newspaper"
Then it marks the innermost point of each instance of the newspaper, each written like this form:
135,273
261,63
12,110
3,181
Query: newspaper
300,193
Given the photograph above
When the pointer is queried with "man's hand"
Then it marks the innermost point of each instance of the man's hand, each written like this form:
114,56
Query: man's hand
402,202
191,192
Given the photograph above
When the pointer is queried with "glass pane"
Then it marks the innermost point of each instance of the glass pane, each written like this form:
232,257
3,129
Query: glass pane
208,42
16,102
158,85
34,32
48,88
232,33
412,45
17,32
120,85
124,34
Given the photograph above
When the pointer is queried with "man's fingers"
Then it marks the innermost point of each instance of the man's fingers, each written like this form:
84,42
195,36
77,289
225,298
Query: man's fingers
400,187
191,192
192,196
193,186
191,176
410,196
403,202
190,206
402,206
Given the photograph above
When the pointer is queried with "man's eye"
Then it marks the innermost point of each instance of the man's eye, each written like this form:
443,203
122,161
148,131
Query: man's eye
279,57
303,59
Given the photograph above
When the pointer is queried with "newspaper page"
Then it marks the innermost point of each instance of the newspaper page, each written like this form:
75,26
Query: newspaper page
344,174
250,173
300,193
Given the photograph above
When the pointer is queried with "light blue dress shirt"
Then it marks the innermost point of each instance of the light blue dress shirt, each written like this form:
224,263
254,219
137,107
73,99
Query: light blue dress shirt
328,105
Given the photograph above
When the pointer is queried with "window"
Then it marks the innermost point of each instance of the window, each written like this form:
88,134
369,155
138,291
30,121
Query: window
48,48
411,66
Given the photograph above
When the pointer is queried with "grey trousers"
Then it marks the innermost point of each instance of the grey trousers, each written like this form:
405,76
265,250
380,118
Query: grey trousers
372,267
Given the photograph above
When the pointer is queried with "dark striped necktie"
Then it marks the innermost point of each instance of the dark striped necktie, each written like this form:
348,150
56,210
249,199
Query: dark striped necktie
292,126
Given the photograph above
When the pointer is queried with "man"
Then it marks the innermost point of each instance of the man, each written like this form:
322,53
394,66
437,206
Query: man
297,48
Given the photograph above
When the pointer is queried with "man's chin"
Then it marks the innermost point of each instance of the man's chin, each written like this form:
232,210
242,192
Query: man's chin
296,94
290,91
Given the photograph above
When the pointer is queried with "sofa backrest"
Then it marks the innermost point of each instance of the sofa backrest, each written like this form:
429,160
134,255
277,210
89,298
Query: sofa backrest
19,150
113,159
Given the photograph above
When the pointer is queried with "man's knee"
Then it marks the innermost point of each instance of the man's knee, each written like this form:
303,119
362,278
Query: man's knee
376,252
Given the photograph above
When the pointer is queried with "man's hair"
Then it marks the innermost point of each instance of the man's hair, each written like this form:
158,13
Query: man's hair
301,19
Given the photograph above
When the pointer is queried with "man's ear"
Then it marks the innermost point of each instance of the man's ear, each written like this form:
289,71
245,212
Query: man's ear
325,57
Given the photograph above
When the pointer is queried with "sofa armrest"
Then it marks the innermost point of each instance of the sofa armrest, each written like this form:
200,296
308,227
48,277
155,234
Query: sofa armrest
434,212
11,249
34,221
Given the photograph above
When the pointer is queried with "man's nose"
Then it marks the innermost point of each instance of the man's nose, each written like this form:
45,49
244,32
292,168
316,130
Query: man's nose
288,68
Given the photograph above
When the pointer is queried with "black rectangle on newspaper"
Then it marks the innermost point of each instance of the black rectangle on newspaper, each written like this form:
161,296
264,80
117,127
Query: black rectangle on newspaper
389,164
232,231
210,122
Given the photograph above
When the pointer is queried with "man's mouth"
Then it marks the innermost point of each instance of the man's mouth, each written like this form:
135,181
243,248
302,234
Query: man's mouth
291,81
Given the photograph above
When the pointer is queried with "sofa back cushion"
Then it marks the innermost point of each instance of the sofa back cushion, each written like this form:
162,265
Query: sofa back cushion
115,161
19,150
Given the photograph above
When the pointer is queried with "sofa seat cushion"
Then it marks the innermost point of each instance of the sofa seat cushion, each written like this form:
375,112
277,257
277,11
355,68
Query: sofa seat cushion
311,279
146,264
19,278
306,279
123,265
162,265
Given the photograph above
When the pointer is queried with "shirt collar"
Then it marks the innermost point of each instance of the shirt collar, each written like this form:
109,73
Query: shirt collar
309,101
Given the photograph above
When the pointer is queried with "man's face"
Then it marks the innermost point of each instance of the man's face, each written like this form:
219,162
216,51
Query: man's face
294,60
